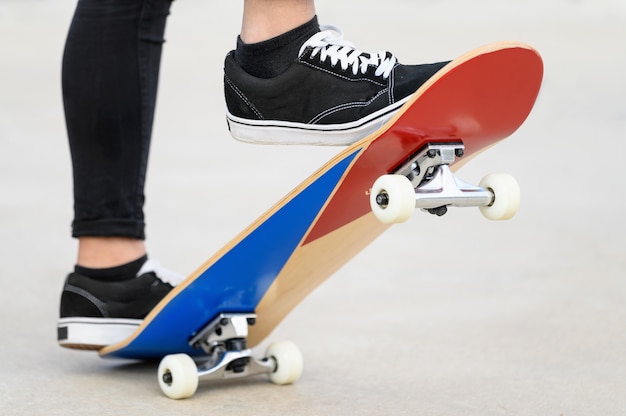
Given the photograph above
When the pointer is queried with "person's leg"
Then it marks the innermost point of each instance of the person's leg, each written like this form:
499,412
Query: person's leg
110,77
266,19
103,252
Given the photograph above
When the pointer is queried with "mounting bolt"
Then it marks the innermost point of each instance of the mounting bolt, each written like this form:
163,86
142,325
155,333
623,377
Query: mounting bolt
167,378
382,199
439,211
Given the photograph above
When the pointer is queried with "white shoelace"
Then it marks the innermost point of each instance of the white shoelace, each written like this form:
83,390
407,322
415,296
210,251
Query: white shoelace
329,43
167,276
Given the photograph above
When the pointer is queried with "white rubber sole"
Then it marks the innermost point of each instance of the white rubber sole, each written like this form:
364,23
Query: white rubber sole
289,133
94,333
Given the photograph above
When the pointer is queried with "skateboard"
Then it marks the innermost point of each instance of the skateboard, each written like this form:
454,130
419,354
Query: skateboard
237,297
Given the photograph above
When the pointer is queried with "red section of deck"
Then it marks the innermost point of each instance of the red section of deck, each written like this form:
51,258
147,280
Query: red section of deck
481,99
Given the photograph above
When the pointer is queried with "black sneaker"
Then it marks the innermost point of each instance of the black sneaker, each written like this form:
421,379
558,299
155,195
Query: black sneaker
333,94
95,313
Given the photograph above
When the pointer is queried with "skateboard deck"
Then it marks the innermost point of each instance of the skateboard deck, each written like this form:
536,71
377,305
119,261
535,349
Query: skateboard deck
478,100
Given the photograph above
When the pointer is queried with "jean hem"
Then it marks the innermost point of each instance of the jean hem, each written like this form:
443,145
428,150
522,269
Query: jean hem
109,228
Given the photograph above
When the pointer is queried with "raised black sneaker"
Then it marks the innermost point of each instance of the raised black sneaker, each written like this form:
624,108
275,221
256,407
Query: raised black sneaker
333,94
96,312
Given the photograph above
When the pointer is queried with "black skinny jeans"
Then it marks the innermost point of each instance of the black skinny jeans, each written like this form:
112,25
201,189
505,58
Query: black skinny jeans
110,76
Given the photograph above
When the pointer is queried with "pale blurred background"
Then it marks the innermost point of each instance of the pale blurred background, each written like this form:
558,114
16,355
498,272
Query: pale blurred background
440,316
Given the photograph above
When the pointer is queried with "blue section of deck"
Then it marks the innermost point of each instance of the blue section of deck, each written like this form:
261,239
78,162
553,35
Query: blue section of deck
239,279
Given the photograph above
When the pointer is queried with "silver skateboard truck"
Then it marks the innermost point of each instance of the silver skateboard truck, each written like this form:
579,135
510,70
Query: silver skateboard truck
427,182
224,342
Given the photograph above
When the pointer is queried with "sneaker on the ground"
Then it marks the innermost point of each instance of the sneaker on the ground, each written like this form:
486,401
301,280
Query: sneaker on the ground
333,94
96,313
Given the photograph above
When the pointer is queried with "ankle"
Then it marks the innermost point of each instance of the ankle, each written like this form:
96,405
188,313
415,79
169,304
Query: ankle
270,58
106,252
124,271
265,19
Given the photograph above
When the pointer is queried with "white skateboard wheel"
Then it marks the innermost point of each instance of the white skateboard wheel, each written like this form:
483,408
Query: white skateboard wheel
289,362
507,196
178,376
392,199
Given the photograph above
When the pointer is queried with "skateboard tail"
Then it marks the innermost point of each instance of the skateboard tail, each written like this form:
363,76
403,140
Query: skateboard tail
237,278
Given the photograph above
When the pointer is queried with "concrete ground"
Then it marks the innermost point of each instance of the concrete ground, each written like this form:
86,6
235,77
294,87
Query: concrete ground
440,316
